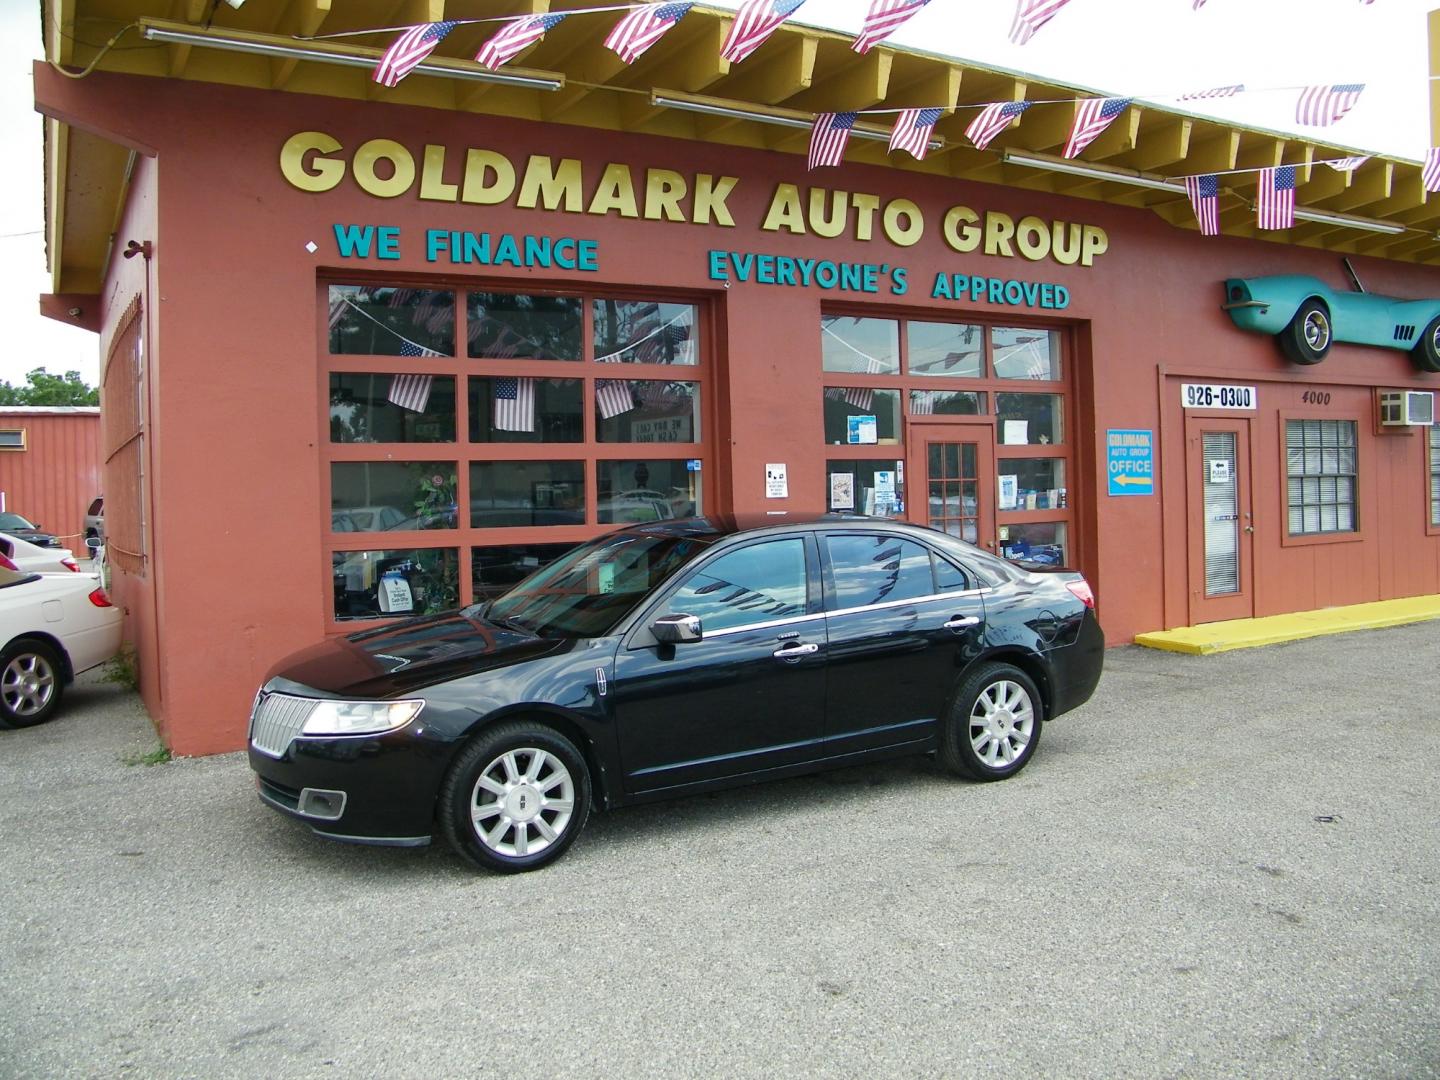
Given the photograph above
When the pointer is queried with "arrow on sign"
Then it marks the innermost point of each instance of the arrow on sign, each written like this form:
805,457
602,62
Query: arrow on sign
1123,479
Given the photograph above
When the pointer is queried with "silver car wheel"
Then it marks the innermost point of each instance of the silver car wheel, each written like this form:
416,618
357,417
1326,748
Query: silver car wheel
1316,330
27,684
522,802
1001,723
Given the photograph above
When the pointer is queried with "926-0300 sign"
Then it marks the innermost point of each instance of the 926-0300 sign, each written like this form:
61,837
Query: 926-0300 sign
1206,396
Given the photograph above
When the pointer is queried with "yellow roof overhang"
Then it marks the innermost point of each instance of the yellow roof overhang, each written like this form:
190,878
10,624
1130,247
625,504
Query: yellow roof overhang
799,71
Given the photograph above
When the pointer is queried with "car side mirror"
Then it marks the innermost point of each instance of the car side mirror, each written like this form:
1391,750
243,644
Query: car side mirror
94,543
675,629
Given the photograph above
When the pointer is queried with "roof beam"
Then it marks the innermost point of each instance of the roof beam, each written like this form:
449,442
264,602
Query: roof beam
860,84
1213,155
1166,142
788,71
1369,183
302,18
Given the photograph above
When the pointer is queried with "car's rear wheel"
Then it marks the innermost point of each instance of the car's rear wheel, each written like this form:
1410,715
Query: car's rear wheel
32,680
1426,353
1308,337
994,724
516,797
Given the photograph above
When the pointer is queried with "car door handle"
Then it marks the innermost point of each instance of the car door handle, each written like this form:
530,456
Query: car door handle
794,652
959,622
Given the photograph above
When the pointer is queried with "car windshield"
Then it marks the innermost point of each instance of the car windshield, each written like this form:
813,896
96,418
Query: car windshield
10,522
587,591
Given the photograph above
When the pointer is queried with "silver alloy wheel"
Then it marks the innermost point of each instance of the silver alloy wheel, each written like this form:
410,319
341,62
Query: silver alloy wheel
27,684
522,802
1316,330
1001,723
1435,338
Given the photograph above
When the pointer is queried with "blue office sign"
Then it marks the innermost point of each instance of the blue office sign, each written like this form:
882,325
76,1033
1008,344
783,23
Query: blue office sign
1130,461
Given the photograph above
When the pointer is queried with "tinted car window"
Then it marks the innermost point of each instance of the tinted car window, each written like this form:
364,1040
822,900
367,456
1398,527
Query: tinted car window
872,569
949,577
755,584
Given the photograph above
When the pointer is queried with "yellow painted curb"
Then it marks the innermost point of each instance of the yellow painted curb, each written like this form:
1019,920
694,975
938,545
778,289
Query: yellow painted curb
1273,629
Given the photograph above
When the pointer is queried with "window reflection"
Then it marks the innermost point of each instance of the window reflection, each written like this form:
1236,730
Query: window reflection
650,490
392,496
945,349
383,320
647,411
860,346
379,584
1021,353
391,408
508,326
514,493
516,408
755,584
644,332
872,569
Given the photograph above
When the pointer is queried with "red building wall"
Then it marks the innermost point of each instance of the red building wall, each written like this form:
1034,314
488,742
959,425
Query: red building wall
238,407
55,478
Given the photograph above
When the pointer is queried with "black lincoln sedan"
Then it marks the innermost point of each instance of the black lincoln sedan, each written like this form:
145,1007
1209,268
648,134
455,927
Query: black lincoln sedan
669,658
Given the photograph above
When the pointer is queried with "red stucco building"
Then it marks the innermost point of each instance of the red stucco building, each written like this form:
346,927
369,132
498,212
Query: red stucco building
441,332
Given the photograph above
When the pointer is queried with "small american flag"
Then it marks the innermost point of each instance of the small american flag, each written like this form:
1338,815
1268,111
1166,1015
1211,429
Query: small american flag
913,128
992,120
517,36
1276,198
640,29
613,397
922,402
1093,116
410,391
883,19
514,403
754,22
1321,106
338,307
409,49
1214,92
1430,173
828,138
1349,164
1204,194
862,397
669,344
1031,15
1198,5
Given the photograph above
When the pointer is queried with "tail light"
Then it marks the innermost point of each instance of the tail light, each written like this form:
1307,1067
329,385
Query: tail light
99,599
8,565
1081,589
70,564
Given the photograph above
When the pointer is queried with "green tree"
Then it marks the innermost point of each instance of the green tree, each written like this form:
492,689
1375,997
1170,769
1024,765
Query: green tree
42,388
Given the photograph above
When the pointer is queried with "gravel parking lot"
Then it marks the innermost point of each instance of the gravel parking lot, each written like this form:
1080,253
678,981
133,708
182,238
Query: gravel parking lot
1221,866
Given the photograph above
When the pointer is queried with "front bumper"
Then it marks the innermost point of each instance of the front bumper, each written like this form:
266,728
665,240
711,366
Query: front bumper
374,789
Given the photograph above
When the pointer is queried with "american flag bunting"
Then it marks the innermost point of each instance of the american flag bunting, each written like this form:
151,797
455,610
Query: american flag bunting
642,28
992,120
1204,192
1275,200
1349,164
1213,92
828,138
1031,15
913,128
410,391
613,397
517,36
754,22
514,403
1430,172
1321,106
1092,116
882,20
408,50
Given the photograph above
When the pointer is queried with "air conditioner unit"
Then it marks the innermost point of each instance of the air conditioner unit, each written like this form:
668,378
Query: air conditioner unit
1401,408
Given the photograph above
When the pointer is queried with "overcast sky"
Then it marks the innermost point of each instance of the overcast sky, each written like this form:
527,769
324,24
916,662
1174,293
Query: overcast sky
1123,47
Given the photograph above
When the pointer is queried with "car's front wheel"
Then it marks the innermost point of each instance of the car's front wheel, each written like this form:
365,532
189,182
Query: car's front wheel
516,797
994,724
1308,337
1426,353
32,680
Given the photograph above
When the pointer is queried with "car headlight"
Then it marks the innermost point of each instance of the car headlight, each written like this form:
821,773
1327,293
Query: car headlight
360,717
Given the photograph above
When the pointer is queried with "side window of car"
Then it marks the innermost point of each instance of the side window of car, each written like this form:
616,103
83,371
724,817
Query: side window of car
949,577
871,569
752,585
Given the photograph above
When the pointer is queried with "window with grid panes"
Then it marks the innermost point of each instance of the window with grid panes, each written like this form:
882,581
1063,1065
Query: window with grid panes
1435,474
474,435
893,369
1320,464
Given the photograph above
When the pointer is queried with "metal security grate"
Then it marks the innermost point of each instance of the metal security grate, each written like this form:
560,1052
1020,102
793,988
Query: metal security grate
276,721
1222,514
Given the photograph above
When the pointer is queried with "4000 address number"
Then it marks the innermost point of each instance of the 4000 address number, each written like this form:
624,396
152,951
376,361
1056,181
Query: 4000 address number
1198,396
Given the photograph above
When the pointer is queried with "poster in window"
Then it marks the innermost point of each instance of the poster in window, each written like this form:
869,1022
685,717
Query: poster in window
842,491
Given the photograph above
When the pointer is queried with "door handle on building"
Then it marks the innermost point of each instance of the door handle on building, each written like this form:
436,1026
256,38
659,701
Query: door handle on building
794,652
960,622
1249,528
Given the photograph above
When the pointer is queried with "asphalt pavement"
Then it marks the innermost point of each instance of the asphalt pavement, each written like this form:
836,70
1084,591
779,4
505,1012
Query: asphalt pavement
1222,866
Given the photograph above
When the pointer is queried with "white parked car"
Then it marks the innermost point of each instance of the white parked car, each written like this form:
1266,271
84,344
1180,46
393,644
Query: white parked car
23,555
53,626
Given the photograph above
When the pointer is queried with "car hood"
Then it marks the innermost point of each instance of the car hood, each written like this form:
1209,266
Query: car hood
409,656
